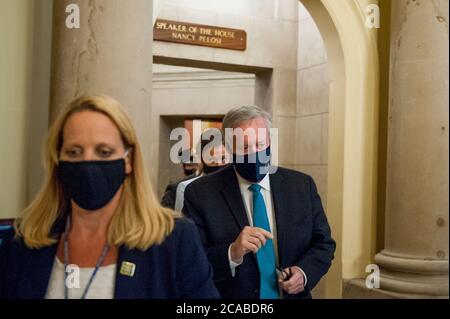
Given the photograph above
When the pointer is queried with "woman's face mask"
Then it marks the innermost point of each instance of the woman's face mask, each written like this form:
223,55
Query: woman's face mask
92,184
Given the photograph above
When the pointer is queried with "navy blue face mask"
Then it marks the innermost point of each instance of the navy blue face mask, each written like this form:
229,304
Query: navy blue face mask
253,167
92,184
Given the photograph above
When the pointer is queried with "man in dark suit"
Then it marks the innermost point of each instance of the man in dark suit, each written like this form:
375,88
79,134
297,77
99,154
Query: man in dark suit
266,235
170,194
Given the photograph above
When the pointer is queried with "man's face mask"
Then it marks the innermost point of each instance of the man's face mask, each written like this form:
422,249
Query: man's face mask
92,184
253,167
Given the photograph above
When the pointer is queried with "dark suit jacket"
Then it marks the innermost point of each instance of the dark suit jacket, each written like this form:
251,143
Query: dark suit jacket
178,268
170,194
304,238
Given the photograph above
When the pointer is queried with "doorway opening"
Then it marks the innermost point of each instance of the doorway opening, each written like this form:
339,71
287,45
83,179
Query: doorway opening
184,96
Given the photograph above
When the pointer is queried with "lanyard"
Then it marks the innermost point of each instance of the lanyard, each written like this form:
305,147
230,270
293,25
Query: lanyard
66,263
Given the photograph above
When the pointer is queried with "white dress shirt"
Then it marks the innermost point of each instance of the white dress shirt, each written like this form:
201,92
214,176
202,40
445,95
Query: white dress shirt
179,197
247,196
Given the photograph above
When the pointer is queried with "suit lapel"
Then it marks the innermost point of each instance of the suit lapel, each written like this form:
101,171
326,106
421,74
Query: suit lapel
38,268
127,279
233,197
280,197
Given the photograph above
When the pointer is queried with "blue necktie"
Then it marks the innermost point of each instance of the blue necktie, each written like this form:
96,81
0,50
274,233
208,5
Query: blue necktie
266,255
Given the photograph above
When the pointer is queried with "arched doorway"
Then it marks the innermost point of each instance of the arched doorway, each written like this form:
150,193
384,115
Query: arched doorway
352,152
353,131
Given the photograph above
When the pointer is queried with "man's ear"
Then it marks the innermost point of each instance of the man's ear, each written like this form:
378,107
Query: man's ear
128,162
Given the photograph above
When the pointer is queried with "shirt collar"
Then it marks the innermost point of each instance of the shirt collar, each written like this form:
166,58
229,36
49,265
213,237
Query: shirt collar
245,184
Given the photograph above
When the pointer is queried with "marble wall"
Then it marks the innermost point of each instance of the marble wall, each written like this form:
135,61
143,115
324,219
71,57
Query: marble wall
25,30
311,153
271,28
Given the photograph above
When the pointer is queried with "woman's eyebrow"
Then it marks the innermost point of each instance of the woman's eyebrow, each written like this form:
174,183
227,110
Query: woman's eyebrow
105,144
70,145
73,145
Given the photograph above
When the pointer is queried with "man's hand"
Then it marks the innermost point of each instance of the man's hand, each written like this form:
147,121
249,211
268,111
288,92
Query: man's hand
250,239
295,284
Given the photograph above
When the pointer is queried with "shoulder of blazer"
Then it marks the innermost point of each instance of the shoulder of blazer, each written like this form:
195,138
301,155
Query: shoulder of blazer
15,246
221,176
6,235
180,239
182,226
10,243
291,174
228,175
12,248
183,229
294,180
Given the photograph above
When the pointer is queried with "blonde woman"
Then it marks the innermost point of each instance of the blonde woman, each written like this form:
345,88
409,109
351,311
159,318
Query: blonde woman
96,229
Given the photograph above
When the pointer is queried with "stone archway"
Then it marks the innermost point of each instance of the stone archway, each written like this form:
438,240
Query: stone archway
353,130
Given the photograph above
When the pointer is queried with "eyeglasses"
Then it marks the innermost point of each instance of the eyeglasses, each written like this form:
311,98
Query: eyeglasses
284,273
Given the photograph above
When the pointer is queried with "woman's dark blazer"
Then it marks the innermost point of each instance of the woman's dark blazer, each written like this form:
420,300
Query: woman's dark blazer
176,269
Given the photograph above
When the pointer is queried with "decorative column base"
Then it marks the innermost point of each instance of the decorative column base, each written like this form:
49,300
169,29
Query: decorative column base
408,276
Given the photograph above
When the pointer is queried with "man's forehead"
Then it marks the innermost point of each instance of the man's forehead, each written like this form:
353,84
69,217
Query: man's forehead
250,133
255,123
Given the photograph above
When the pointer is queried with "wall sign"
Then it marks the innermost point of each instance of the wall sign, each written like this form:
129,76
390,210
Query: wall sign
199,34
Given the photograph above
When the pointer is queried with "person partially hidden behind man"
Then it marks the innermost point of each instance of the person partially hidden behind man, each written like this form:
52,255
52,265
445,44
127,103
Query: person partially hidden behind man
214,157
266,235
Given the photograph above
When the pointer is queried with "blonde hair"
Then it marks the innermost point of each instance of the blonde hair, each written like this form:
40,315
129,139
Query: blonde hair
139,222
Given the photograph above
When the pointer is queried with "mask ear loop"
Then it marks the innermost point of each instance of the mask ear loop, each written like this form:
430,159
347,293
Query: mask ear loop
128,151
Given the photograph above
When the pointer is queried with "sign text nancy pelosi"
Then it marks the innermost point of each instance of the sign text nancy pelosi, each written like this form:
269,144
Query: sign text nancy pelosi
198,34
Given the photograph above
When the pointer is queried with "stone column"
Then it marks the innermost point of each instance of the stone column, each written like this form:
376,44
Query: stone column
111,53
414,262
